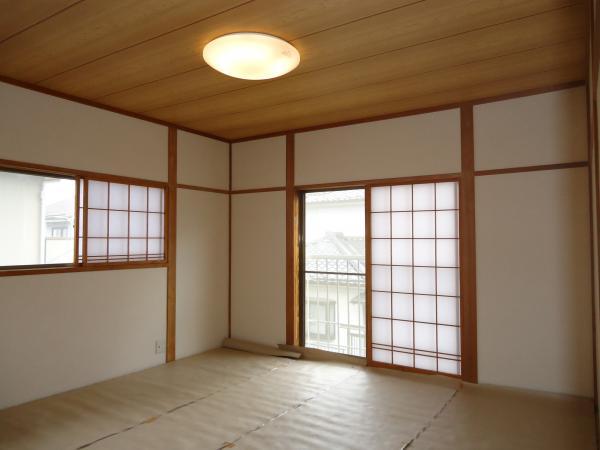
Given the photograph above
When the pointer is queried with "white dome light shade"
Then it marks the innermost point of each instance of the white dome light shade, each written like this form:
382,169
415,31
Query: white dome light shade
251,56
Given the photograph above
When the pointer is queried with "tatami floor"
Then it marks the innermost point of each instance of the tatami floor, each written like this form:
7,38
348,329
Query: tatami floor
232,399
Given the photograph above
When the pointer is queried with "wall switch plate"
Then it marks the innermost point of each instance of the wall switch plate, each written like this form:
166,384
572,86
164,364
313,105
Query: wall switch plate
159,346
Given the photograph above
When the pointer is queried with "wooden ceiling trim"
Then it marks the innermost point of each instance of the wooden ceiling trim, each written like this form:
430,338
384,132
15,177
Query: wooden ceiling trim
25,15
367,100
500,40
539,83
181,50
95,28
206,82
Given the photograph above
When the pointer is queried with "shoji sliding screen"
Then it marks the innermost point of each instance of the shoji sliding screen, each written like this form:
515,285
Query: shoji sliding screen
121,222
415,292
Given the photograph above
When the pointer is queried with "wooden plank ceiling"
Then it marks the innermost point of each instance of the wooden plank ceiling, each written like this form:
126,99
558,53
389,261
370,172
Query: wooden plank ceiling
358,58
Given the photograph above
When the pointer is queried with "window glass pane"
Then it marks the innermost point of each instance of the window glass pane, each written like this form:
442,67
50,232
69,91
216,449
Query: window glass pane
137,224
384,356
402,279
334,266
97,223
423,197
402,306
380,225
403,334
138,198
119,196
97,194
380,251
154,225
38,219
402,225
446,196
382,331
402,198
381,304
118,223
402,251
425,308
155,198
424,252
380,199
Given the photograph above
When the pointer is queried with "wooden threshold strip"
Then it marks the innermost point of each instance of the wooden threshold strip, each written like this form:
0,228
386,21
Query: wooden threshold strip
531,168
83,268
378,181
32,167
252,191
202,188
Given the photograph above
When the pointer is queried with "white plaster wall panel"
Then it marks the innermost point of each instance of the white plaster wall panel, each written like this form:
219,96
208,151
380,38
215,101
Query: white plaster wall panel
423,144
548,128
202,271
259,163
62,331
42,129
258,267
533,281
202,161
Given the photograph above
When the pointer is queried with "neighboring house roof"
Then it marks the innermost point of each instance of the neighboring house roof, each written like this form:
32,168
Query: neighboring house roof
335,252
335,196
60,210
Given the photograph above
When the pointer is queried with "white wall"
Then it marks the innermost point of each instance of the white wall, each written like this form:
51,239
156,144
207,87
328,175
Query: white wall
533,245
258,267
62,331
534,312
202,245
41,129
424,144
202,271
548,128
202,161
259,163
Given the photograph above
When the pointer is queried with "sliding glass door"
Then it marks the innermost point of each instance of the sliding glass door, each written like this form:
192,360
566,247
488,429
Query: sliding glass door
333,271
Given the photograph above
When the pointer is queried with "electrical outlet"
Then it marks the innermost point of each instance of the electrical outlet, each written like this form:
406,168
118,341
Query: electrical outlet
159,346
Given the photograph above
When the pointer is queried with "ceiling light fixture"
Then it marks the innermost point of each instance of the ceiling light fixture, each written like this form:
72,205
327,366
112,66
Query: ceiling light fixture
251,56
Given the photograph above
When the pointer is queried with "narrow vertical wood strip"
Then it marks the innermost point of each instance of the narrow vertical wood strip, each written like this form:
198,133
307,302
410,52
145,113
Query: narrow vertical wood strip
291,236
171,243
76,220
368,302
84,231
229,244
468,288
593,184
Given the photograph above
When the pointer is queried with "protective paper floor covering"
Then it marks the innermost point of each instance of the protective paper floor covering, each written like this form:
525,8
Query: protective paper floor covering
231,399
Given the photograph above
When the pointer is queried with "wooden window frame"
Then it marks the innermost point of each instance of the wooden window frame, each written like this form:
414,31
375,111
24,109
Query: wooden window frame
81,177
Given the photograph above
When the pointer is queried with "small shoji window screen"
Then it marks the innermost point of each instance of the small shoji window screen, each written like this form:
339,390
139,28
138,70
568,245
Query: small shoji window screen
124,222
415,298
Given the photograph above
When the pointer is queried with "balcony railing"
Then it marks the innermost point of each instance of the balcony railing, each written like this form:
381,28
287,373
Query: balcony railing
335,297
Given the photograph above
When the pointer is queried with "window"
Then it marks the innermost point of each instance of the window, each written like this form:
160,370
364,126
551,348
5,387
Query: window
51,220
124,222
333,271
415,292
38,220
